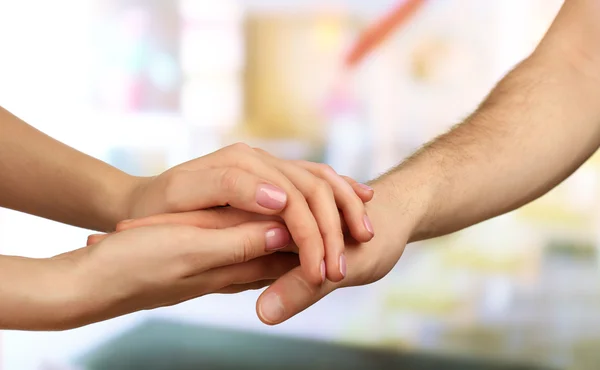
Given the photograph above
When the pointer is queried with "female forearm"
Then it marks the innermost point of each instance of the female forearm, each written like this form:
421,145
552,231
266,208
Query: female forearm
35,294
43,177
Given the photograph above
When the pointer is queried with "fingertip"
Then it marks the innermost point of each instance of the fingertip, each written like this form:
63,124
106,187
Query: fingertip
366,188
277,238
271,197
269,308
95,238
363,237
90,240
315,276
364,192
361,228
121,226
334,277
337,271
361,234
288,296
312,253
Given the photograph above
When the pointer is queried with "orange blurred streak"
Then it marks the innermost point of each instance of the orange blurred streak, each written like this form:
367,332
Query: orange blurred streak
379,31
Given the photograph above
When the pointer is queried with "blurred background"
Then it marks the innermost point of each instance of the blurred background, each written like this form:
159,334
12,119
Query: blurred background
147,84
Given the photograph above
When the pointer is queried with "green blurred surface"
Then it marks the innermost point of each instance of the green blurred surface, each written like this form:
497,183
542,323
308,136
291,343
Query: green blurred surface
175,346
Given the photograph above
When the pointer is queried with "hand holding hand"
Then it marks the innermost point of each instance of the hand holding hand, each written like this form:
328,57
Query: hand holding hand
293,292
306,196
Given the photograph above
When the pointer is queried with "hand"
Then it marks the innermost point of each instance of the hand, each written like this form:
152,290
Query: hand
292,293
366,264
306,195
158,266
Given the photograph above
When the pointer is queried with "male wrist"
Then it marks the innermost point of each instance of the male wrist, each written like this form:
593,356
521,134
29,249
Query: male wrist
403,198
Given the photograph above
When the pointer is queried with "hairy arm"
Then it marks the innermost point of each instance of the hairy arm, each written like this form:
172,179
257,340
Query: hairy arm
539,124
535,128
43,177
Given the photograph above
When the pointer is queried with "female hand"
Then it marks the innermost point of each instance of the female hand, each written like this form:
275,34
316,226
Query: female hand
306,196
158,266
292,293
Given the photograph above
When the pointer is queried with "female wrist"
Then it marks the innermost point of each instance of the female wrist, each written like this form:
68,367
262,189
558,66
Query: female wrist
116,204
42,295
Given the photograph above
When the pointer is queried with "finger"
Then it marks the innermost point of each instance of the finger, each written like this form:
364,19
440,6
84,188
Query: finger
265,268
365,192
352,206
239,288
214,218
288,296
208,249
298,216
321,200
96,238
223,186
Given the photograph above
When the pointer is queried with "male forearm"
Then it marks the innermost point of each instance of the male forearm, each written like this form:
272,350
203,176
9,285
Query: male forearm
537,127
43,177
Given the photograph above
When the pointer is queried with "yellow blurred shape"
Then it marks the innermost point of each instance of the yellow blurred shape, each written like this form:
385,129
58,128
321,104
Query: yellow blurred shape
328,32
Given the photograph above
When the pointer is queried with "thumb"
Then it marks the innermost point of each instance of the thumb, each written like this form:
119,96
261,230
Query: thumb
288,296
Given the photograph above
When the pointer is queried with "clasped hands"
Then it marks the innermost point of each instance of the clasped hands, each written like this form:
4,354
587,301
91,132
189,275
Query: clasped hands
218,224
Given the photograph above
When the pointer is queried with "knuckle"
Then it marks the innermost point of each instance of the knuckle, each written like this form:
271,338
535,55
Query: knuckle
310,289
262,151
240,155
245,249
240,147
230,179
326,169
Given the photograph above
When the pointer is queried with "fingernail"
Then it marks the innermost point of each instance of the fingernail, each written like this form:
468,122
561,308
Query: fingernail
343,265
271,309
368,225
323,272
366,187
277,239
270,197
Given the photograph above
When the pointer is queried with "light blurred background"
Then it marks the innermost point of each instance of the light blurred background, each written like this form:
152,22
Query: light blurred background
147,84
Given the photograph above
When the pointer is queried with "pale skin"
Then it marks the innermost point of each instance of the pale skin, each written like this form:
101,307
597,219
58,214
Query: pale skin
539,124
43,177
